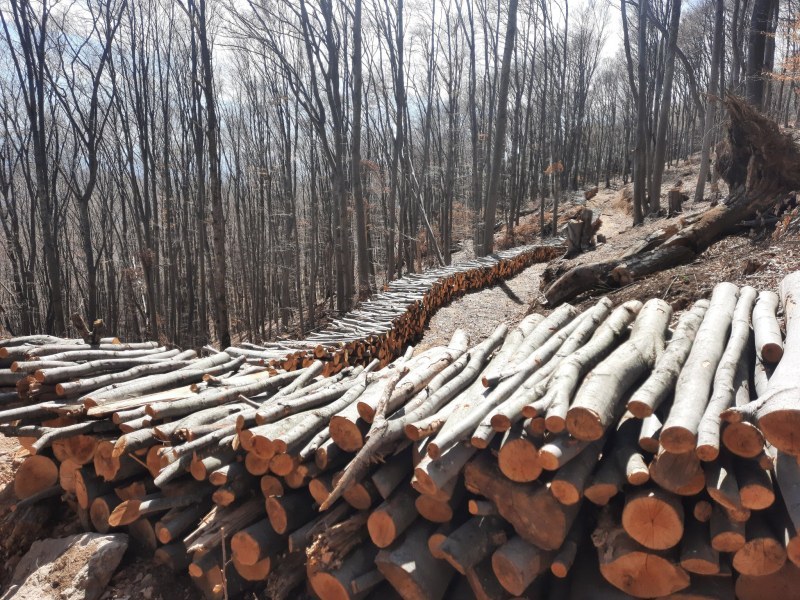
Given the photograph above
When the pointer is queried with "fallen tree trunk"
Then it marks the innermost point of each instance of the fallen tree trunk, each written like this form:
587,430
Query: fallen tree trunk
764,163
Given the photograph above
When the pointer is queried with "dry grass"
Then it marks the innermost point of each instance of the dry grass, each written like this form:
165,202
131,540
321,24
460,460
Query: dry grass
624,200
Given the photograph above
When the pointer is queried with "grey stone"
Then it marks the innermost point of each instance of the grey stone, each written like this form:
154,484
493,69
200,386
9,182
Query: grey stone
77,567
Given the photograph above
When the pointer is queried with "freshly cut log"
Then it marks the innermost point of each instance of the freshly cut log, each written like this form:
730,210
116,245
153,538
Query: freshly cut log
778,413
530,508
410,568
697,554
510,411
289,512
654,518
569,482
625,448
680,474
389,520
566,378
606,482
768,339
518,562
727,535
565,557
631,567
598,400
755,485
763,553
179,521
430,476
335,583
518,457
36,473
731,377
694,386
722,486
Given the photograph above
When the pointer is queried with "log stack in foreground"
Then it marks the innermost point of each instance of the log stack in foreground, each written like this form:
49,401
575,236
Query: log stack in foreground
622,451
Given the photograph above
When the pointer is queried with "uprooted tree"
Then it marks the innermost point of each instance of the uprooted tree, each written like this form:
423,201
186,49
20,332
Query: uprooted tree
759,163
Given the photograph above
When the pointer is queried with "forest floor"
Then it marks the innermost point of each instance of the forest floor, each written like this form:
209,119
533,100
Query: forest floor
743,259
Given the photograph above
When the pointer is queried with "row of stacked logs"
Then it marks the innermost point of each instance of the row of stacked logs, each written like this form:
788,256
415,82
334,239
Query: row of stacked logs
614,452
380,328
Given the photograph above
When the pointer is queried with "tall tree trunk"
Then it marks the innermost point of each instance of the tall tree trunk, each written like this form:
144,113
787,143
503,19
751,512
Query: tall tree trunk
756,50
362,254
659,155
500,131
717,46
221,321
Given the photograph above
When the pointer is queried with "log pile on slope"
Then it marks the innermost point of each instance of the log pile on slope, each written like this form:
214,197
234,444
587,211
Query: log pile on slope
381,327
598,450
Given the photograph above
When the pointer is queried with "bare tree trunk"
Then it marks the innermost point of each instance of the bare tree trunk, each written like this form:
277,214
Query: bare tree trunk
717,47
500,131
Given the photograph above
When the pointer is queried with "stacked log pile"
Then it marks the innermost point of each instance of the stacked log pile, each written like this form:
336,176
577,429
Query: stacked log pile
618,451
383,326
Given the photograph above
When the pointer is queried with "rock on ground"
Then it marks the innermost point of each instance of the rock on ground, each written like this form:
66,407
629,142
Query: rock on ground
77,567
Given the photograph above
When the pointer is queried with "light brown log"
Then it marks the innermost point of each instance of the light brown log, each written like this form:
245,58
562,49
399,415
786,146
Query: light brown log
702,510
66,475
599,400
565,557
518,457
100,510
631,567
763,553
722,486
35,474
755,485
518,562
680,474
787,478
661,381
361,495
569,482
410,568
697,554
289,512
256,543
559,450
177,521
271,486
654,518
529,507
694,386
392,517
727,535
605,483
257,572
768,340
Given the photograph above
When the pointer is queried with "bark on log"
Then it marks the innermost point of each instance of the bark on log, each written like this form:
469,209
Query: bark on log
410,568
570,372
694,386
778,414
769,343
660,383
530,508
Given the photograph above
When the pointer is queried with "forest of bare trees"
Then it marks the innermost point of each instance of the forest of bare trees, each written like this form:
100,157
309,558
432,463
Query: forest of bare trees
202,170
